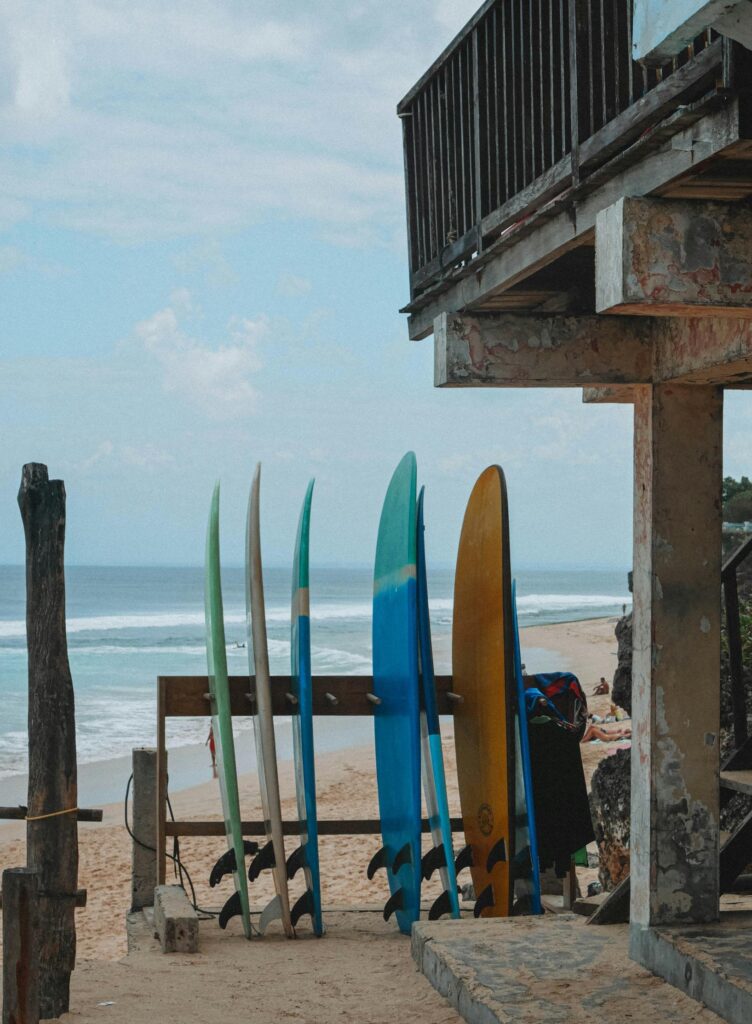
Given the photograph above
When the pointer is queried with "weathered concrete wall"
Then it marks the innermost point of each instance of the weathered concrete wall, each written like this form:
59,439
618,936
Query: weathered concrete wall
676,636
521,350
144,825
674,257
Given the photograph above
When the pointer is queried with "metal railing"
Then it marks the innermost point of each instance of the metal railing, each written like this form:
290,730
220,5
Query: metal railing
530,97
734,638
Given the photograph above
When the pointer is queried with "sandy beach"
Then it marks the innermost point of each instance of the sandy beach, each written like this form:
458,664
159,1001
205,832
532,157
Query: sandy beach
346,788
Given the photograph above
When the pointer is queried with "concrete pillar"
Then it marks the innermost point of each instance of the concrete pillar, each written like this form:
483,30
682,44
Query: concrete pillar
144,826
676,661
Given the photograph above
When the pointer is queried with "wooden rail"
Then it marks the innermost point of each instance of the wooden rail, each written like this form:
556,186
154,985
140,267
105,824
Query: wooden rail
529,98
187,696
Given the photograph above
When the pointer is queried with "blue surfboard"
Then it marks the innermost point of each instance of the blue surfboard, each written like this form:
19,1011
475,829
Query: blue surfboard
307,854
395,684
434,778
527,884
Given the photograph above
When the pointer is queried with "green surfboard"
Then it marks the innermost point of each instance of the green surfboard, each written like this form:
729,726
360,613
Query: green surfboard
219,689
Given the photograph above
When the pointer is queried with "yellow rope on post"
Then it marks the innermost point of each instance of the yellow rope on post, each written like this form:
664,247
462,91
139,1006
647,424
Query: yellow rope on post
52,814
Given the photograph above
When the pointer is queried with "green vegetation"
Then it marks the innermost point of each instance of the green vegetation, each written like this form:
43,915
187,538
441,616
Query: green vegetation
737,500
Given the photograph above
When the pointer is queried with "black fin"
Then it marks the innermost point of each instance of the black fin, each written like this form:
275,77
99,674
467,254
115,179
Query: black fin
233,908
404,856
303,905
464,859
379,860
296,860
226,863
440,906
435,858
497,855
263,859
486,899
395,902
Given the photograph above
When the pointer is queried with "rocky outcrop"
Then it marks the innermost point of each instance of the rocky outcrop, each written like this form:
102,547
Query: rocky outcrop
622,685
610,809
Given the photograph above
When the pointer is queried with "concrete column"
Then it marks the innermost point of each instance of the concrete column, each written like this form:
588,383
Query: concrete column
144,826
676,660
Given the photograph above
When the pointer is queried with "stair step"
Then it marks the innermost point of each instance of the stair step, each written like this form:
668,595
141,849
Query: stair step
740,781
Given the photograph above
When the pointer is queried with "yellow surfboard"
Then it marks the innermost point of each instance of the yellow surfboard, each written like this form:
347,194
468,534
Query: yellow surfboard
483,675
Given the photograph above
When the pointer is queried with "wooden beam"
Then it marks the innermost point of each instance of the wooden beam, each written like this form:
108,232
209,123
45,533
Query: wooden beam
568,220
21,933
19,814
51,833
522,350
338,827
619,393
674,257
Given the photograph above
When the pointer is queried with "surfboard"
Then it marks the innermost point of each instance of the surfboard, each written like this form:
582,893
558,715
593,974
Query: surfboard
483,676
272,855
395,684
307,853
527,890
441,855
219,688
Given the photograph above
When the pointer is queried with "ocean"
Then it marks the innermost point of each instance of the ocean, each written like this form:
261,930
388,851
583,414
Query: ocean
126,626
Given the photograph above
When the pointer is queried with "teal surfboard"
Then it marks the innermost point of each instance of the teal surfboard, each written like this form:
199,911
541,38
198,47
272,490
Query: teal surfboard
434,778
527,889
219,689
307,854
395,684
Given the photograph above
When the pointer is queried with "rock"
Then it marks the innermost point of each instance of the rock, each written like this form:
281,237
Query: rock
610,809
621,691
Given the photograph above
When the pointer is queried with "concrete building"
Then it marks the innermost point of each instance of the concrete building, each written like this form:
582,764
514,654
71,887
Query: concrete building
579,219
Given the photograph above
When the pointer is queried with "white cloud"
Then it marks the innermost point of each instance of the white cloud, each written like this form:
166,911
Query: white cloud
146,456
291,286
102,453
10,258
145,120
217,380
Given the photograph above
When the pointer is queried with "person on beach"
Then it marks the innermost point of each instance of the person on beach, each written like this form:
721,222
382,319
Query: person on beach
212,750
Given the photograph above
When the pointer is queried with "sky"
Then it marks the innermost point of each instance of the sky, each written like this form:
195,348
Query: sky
202,259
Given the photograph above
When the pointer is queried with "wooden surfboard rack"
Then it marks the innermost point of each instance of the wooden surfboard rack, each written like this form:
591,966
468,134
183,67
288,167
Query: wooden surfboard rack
187,697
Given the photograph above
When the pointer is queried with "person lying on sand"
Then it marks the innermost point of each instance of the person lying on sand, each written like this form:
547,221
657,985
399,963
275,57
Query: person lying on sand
598,732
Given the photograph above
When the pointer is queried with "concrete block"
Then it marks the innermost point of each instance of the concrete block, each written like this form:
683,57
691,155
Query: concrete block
175,920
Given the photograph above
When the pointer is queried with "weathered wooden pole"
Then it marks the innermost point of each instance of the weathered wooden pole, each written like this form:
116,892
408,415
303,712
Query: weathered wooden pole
20,953
51,835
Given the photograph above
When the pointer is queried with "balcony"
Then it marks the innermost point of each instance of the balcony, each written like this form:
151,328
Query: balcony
528,110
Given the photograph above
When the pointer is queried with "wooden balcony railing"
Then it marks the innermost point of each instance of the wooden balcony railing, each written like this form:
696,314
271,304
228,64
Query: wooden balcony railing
528,99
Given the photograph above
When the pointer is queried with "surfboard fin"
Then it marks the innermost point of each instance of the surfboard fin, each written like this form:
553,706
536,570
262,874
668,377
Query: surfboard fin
303,905
395,902
404,856
296,860
263,859
271,912
226,862
486,899
464,859
232,908
440,906
379,860
497,855
435,858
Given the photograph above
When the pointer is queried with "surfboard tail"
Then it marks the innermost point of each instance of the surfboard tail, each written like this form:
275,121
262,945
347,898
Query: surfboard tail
396,901
274,911
227,862
486,899
379,860
303,905
464,859
298,859
497,855
440,906
263,859
232,908
433,860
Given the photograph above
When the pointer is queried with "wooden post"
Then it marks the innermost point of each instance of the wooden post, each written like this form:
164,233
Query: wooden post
52,834
144,825
676,664
20,955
